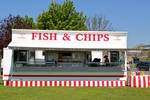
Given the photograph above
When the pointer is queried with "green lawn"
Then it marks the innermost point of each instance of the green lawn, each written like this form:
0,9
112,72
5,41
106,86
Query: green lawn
70,93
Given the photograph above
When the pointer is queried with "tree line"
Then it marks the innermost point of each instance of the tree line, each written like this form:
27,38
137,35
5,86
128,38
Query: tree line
56,17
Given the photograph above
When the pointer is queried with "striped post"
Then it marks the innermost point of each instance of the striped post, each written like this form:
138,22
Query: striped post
140,81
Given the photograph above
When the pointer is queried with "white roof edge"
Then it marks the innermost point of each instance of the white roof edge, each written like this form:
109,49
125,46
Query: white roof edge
27,30
26,47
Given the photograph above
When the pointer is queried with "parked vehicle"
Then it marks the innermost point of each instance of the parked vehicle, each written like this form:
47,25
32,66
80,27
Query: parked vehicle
143,66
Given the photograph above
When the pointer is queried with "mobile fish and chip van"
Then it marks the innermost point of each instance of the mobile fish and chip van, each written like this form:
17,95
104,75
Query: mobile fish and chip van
65,58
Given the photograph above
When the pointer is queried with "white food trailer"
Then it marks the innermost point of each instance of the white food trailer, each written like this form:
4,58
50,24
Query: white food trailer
64,55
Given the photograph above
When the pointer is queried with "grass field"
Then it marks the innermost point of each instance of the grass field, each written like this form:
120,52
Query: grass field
70,93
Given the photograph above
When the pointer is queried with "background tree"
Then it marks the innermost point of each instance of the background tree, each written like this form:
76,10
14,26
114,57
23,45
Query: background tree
16,22
62,17
98,23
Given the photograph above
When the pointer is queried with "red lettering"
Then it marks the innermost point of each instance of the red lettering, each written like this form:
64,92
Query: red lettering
34,35
52,36
94,37
79,37
87,37
100,36
45,36
40,37
106,37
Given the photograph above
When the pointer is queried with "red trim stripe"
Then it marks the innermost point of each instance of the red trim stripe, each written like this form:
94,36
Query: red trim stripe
102,83
64,83
67,83
94,84
121,83
7,83
21,83
31,83
79,82
26,83
75,85
84,83
88,83
116,84
50,83
36,83
148,81
144,81
107,83
98,83
60,83
139,81
45,83
134,81
55,83
40,83
129,81
112,83
13,75
6,75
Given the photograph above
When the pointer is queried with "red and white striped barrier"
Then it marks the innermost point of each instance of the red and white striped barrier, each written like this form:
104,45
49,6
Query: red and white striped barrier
142,81
18,83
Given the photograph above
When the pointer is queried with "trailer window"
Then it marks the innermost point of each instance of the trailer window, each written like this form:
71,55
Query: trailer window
20,56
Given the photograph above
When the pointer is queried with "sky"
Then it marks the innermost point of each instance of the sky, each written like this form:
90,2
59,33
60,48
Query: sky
132,16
